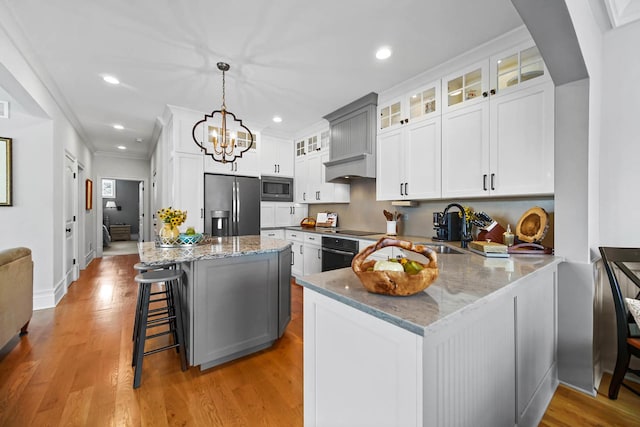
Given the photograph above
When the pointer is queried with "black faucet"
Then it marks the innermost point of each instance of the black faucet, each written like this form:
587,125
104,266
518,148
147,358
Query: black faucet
465,235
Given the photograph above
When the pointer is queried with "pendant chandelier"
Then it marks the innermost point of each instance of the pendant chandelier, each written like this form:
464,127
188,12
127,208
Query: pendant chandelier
222,139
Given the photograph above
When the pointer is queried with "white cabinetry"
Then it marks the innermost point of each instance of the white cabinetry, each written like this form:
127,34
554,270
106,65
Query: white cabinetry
387,375
408,146
276,156
187,191
375,363
274,233
282,214
499,140
309,182
247,165
409,162
297,252
312,249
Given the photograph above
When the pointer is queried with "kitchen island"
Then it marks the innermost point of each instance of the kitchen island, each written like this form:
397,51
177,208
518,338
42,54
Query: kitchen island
235,295
476,348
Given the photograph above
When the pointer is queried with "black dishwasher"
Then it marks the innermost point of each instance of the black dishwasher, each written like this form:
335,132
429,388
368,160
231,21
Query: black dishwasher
337,252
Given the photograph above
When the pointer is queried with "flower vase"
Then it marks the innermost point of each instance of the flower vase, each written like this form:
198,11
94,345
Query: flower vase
169,234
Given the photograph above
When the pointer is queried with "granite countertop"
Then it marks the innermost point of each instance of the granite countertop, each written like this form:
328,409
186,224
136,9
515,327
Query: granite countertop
465,281
215,247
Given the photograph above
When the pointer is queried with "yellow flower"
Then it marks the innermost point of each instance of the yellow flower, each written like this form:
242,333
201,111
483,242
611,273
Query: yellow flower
172,216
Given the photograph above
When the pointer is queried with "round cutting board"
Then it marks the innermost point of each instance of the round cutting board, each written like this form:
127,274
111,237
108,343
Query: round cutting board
533,225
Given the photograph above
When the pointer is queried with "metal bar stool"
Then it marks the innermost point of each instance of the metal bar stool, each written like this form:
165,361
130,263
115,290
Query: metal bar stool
169,315
143,268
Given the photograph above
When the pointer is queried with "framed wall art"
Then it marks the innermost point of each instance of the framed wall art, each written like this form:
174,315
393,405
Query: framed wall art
88,194
109,188
5,172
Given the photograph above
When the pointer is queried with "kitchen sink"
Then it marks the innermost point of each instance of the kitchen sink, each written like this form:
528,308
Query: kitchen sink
441,249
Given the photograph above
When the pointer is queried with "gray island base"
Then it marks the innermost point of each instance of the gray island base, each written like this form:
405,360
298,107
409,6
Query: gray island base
236,295
476,348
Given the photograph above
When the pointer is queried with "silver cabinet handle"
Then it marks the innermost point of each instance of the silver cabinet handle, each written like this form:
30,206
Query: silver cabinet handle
301,251
319,254
293,257
201,212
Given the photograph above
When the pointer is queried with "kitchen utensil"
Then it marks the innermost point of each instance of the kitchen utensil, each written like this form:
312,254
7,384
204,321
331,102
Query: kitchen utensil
388,215
396,283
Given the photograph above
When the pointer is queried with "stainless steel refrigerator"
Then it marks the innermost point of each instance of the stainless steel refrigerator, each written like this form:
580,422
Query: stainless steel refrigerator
237,195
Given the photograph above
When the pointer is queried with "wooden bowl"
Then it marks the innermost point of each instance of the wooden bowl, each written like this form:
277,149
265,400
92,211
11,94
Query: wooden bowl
397,283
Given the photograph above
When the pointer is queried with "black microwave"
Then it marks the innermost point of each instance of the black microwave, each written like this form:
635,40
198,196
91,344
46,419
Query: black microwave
276,189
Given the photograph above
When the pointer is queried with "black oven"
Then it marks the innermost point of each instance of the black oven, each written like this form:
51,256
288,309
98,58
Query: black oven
337,252
276,189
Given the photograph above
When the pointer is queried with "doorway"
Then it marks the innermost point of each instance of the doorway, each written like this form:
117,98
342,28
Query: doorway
122,202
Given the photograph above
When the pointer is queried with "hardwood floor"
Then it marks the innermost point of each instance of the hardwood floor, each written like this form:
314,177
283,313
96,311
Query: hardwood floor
74,368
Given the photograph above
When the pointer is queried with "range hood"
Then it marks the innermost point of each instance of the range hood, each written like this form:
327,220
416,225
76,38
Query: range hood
353,140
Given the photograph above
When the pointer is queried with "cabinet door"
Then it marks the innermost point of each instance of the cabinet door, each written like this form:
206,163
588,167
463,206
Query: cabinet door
390,114
284,214
390,170
424,103
188,189
276,156
315,177
517,68
312,258
300,180
422,160
297,254
466,87
267,214
465,152
522,138
300,212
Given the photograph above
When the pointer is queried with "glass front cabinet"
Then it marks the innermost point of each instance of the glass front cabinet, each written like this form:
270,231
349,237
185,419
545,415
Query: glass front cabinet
419,104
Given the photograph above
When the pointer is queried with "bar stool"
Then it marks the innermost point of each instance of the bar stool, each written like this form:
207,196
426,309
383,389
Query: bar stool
169,315
143,268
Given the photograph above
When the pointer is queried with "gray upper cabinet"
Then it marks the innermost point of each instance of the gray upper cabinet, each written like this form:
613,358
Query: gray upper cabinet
353,140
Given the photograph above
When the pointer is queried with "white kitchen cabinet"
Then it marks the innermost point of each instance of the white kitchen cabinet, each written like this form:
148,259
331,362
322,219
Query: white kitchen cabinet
282,214
297,251
419,104
501,141
180,122
312,253
276,233
502,146
465,87
309,182
247,165
408,162
188,188
276,156
382,254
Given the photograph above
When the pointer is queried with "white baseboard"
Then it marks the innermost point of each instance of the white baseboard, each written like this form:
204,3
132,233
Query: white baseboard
43,299
533,413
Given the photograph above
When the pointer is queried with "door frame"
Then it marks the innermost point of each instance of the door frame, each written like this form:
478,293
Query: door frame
100,203
73,193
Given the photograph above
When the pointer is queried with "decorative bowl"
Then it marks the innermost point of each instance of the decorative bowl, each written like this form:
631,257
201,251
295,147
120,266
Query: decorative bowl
190,239
396,283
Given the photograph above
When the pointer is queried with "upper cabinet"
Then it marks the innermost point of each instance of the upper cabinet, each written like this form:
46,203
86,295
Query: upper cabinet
247,165
276,156
416,105
310,185
466,87
487,140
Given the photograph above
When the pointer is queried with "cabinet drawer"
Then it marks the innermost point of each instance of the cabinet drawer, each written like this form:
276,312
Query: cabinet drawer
312,239
275,234
294,235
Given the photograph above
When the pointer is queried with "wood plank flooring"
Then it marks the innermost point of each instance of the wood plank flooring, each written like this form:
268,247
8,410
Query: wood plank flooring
74,368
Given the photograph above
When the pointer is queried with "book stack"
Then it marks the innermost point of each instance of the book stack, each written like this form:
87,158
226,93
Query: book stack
489,249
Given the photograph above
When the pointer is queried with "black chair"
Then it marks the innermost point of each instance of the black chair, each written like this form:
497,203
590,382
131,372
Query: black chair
628,333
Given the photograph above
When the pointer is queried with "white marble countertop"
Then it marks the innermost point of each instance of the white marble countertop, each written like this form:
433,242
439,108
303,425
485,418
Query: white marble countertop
465,281
218,247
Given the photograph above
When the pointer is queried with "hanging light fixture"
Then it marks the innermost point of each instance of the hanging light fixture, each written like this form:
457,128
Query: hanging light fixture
225,141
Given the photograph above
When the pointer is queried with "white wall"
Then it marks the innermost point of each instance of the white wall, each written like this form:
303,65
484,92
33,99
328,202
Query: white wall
620,149
41,135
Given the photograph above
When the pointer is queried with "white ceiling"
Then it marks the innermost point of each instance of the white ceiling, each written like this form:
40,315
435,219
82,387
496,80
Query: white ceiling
297,59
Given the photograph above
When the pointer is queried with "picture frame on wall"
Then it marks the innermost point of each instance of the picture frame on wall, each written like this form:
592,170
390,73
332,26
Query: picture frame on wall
6,196
88,194
109,188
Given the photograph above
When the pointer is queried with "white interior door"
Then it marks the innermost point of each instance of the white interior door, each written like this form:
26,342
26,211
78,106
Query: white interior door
69,220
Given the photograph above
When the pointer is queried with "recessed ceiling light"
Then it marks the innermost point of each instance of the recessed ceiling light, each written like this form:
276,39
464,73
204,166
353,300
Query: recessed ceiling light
138,139
118,126
383,53
121,147
111,79
277,119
